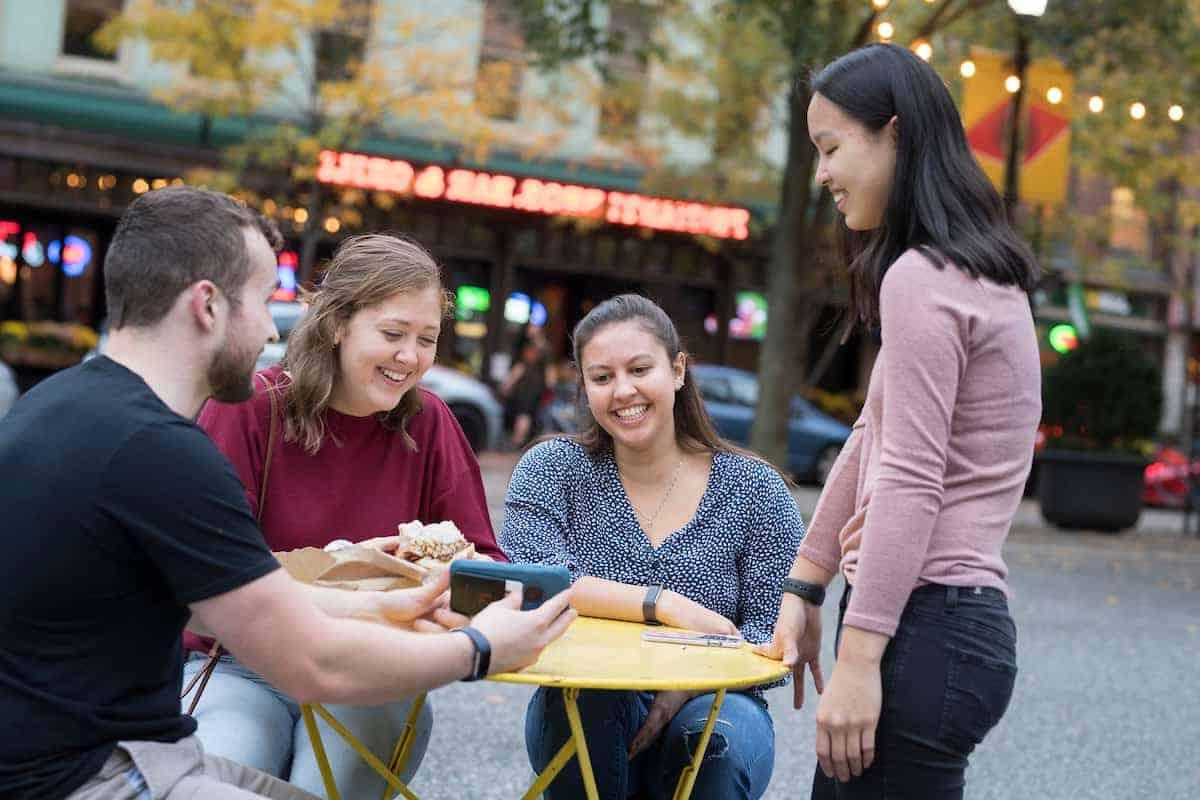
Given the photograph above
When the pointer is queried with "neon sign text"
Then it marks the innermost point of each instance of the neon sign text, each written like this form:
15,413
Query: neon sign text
531,195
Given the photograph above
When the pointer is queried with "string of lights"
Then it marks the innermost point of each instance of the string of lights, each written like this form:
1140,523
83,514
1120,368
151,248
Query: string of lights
885,31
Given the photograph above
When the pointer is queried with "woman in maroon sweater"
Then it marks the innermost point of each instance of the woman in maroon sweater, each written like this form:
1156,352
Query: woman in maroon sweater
361,448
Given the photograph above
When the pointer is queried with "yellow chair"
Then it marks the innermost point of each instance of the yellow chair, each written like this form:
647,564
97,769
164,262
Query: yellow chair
390,772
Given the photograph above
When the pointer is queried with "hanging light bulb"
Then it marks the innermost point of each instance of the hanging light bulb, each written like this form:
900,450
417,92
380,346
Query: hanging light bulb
1137,111
880,5
1054,95
1096,104
1175,113
1012,84
923,49
886,30
967,69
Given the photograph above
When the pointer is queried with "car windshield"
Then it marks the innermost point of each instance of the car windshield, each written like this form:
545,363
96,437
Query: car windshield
743,389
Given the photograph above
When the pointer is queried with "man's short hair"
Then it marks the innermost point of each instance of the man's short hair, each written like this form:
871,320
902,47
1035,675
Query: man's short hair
170,238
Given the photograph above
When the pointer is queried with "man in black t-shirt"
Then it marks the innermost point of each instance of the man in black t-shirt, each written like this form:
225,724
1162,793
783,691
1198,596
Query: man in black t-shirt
122,520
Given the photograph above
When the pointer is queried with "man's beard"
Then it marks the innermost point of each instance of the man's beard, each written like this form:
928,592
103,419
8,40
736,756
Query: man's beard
231,376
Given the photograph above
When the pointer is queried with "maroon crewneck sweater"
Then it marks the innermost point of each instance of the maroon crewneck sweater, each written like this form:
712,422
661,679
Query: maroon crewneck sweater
361,483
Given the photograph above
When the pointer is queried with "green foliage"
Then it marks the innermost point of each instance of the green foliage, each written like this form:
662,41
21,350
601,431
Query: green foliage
1106,394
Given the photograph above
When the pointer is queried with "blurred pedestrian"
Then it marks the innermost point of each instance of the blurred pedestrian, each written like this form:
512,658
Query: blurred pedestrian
523,391
657,519
917,507
363,447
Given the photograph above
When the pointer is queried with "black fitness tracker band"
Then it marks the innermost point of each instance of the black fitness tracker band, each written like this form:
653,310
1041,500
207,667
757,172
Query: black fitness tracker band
483,652
811,592
650,605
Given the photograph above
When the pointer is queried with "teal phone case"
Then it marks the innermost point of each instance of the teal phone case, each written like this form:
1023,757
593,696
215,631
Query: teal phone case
475,584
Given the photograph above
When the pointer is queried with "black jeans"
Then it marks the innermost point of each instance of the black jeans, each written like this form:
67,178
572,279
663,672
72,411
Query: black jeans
948,674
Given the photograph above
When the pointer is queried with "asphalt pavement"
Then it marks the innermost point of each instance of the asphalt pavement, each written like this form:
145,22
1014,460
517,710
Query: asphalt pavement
1107,703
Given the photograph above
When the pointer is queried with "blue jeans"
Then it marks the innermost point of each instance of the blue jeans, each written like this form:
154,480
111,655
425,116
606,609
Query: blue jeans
737,763
948,675
243,718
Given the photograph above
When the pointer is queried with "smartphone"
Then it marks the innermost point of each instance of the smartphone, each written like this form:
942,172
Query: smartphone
475,584
692,638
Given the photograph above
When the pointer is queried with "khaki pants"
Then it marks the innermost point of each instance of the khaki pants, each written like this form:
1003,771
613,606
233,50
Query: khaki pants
180,771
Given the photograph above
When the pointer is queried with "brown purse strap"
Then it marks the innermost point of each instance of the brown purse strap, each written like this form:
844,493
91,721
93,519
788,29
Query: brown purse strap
214,653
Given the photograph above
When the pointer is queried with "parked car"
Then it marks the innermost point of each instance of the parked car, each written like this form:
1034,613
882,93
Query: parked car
1165,481
8,388
731,397
472,402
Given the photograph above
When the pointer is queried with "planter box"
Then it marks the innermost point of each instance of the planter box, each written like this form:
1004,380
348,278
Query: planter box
1093,491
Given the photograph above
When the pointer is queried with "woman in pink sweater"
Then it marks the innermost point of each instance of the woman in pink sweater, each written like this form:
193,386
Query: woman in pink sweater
921,499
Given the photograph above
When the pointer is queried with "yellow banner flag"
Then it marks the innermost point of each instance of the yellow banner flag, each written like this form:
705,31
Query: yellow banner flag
1045,124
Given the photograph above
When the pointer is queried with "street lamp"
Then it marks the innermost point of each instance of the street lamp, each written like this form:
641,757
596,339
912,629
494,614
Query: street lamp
1024,10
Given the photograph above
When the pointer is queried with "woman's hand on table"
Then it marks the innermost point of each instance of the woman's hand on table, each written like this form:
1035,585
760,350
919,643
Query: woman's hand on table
425,608
682,612
518,637
797,643
664,708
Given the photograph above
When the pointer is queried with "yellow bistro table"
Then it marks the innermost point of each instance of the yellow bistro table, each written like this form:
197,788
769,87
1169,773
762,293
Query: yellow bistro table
610,654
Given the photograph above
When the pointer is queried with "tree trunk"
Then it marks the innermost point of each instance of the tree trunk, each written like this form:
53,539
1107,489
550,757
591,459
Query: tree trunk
311,236
787,330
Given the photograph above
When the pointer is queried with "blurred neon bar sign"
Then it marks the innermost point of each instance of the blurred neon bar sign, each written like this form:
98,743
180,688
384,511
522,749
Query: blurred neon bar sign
531,195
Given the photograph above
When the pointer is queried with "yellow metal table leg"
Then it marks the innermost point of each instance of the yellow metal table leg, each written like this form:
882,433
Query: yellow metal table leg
687,778
585,762
404,743
551,771
314,736
366,755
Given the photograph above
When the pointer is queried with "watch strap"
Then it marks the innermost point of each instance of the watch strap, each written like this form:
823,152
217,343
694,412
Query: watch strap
483,652
650,605
810,592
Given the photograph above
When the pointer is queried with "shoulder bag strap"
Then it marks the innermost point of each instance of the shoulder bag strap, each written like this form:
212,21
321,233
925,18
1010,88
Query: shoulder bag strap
214,652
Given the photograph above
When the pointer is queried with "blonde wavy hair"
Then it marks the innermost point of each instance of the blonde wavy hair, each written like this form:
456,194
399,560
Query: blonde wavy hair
365,271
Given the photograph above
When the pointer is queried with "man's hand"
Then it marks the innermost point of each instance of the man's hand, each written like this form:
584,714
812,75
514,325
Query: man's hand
425,609
518,637
682,612
664,708
848,713
797,642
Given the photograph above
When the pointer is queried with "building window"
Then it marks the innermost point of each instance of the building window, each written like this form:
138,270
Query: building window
501,61
83,19
1130,225
341,48
623,95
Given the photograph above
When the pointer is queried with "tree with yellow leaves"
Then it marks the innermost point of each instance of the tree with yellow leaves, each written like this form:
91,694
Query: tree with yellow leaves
295,77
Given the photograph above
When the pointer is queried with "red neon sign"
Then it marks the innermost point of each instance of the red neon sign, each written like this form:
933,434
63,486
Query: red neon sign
531,195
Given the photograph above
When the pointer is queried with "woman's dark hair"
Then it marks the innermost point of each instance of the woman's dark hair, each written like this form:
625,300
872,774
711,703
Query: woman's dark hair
694,430
941,202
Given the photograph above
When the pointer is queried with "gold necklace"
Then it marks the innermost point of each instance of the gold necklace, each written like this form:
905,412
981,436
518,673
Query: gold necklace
648,521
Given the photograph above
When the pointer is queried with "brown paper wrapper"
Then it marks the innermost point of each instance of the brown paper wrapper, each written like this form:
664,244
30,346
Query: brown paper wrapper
355,568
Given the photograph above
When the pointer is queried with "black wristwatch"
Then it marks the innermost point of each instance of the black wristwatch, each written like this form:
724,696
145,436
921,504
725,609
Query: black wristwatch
810,592
483,652
650,605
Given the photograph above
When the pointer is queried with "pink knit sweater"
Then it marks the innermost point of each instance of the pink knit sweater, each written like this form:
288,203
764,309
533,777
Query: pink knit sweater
926,487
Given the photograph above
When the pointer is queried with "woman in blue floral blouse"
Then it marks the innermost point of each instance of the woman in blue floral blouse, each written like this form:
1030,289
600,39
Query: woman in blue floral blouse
656,518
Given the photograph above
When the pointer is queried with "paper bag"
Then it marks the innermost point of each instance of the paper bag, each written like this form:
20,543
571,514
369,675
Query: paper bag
356,568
